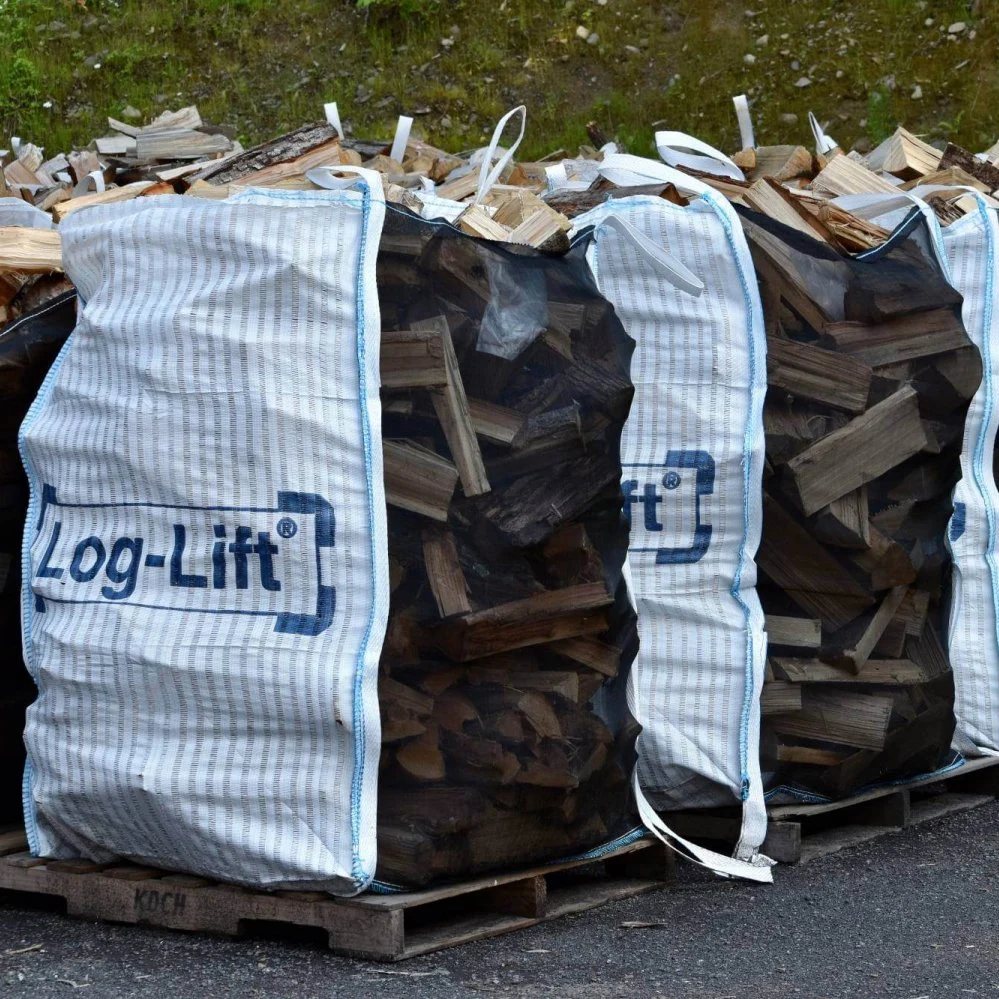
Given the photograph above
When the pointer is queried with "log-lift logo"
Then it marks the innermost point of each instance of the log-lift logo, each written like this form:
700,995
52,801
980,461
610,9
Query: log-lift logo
256,561
669,496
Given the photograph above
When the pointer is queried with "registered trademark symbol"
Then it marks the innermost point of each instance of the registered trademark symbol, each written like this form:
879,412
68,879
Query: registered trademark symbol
671,480
287,528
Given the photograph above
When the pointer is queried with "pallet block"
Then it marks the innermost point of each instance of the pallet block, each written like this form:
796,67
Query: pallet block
377,927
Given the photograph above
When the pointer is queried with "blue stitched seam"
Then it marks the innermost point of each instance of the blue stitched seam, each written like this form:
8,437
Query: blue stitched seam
747,454
978,463
27,596
361,879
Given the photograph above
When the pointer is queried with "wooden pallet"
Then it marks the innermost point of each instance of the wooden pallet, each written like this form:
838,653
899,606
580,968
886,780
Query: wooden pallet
799,833
377,927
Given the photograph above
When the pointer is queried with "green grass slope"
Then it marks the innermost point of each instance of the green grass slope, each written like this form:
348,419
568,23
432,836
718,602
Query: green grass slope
261,67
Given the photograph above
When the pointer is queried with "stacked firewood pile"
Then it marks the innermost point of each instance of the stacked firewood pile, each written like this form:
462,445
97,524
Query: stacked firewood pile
508,621
870,376
507,624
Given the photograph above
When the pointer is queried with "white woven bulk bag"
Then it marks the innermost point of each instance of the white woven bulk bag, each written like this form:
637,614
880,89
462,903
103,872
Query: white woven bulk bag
205,567
692,457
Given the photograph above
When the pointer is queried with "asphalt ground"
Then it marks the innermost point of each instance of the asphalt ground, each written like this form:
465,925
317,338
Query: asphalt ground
914,914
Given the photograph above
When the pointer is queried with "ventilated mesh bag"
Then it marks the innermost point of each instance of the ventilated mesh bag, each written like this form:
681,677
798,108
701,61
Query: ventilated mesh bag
870,373
505,385
221,505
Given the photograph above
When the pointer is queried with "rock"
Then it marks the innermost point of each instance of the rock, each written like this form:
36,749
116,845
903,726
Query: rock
445,122
749,58
839,74
593,39
583,32
862,145
633,49
803,82
956,28
795,64
928,23
763,39
130,114
789,118
917,93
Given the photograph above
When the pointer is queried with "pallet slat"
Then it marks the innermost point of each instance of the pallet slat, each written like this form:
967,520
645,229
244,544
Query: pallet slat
378,927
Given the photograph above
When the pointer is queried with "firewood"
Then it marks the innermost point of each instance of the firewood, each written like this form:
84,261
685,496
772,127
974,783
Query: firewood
444,573
417,479
412,359
30,251
982,170
809,755
780,697
451,405
782,162
111,196
840,717
904,155
818,375
870,632
845,521
842,175
796,632
476,221
495,423
422,758
555,614
591,652
865,448
546,681
920,334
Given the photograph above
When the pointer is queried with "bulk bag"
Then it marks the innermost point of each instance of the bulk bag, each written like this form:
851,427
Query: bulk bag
870,373
211,466
692,456
967,250
205,575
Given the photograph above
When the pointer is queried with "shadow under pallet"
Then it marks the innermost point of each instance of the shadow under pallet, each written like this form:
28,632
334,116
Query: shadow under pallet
378,927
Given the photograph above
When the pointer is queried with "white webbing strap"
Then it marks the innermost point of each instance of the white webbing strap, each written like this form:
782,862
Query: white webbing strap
401,140
333,117
680,149
823,143
95,177
746,135
728,867
325,177
669,266
489,177
628,170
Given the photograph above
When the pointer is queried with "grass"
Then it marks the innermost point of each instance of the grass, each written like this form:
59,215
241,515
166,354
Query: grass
260,67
